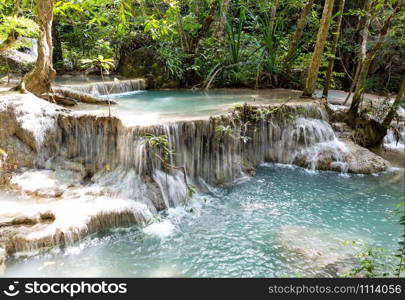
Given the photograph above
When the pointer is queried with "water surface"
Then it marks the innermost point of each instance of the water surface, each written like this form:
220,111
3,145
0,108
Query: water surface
244,231
150,107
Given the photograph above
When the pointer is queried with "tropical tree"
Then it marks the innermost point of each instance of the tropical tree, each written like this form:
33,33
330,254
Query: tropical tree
332,54
319,48
365,64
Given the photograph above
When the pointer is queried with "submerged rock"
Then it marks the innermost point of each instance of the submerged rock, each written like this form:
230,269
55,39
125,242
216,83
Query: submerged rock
321,251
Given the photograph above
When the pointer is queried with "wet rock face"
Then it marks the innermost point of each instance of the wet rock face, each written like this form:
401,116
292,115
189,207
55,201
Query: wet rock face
32,226
26,132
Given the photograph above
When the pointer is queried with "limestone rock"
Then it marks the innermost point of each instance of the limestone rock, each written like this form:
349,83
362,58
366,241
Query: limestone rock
316,248
18,152
362,161
45,183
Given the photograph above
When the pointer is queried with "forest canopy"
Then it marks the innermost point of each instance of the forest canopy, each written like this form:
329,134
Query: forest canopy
218,42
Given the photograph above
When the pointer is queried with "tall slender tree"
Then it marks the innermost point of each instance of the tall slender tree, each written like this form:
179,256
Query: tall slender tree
365,66
397,102
38,81
222,19
319,48
209,19
335,40
364,24
299,31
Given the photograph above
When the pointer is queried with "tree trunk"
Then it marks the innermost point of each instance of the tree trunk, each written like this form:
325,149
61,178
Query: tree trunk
13,35
354,107
391,114
57,43
38,81
204,28
273,12
191,76
369,132
298,31
366,20
222,19
319,47
335,40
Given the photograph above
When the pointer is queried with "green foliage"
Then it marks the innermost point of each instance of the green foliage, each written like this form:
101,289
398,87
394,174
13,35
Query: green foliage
371,261
190,190
22,25
250,53
234,36
99,62
400,254
172,58
159,146
224,130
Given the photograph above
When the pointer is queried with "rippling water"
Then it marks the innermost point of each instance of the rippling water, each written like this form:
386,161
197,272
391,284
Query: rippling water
286,221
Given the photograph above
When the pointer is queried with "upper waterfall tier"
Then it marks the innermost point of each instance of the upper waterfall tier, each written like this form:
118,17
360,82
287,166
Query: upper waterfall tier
109,87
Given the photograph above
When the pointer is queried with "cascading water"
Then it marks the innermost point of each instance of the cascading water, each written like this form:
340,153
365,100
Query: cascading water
108,175
109,87
395,140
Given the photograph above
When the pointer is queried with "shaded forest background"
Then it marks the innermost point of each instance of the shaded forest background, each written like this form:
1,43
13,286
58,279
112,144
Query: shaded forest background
222,43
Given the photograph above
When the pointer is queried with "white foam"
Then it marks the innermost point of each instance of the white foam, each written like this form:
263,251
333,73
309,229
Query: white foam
161,229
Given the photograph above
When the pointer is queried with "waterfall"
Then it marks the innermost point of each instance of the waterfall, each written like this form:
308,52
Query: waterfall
112,87
102,145
395,140
102,174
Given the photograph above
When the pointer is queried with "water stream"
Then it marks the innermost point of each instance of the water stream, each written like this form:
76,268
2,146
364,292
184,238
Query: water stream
90,174
244,231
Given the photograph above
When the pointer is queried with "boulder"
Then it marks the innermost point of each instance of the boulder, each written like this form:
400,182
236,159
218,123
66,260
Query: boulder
362,161
341,156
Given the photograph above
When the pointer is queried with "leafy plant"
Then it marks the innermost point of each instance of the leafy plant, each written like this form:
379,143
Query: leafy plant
22,25
172,59
160,147
103,64
400,210
370,261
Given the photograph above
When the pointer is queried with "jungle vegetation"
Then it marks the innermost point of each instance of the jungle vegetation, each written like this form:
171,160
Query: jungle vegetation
355,46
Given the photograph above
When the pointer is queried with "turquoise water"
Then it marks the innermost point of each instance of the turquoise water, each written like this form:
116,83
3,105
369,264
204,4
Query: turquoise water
244,231
146,107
